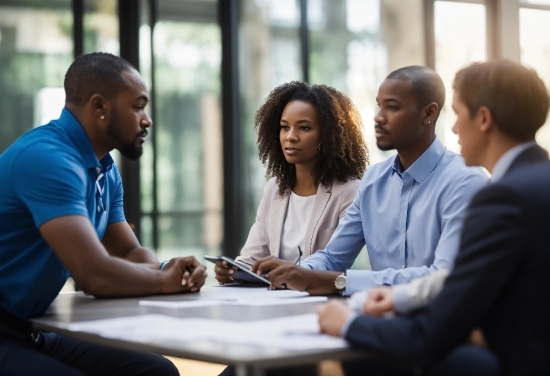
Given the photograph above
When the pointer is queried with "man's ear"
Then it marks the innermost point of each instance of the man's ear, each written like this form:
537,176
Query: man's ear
101,107
430,113
484,118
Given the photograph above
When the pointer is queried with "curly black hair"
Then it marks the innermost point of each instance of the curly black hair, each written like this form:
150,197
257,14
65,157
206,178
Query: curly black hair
343,151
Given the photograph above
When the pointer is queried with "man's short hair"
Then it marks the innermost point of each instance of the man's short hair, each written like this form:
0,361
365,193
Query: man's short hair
515,95
427,86
95,73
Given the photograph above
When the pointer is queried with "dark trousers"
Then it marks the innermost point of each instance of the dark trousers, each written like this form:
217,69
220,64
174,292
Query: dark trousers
60,356
466,360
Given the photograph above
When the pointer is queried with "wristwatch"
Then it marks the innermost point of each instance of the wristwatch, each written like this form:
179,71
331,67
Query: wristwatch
340,283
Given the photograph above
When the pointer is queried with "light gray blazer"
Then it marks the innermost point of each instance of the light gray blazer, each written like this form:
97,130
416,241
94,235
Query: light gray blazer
329,206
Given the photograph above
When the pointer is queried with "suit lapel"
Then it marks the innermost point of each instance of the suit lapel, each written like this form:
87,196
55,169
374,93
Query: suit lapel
320,203
276,221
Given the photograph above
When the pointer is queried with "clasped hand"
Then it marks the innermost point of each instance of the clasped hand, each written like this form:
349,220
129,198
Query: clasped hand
183,274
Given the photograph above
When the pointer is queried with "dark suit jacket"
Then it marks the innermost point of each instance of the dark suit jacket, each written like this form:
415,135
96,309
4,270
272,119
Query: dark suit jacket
500,282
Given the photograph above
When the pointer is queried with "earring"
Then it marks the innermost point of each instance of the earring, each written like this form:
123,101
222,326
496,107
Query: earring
428,122
102,117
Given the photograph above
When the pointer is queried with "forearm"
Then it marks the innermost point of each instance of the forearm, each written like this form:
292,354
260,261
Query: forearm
111,277
142,255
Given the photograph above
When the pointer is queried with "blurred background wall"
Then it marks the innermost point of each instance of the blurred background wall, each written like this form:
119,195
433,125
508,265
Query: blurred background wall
210,64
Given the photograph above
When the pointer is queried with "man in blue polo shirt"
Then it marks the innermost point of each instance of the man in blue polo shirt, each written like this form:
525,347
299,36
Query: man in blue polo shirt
62,214
408,210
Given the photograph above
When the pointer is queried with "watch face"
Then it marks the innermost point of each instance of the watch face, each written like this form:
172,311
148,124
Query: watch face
340,282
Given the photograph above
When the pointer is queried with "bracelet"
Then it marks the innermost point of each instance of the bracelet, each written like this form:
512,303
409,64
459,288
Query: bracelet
163,264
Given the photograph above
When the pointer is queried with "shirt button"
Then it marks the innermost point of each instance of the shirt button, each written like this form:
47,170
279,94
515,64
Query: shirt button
402,232
409,190
98,170
402,266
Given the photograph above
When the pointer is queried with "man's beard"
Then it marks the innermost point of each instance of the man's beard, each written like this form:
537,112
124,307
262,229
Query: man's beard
131,150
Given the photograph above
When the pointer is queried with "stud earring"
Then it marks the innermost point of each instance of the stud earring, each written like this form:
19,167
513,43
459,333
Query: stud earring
428,122
102,117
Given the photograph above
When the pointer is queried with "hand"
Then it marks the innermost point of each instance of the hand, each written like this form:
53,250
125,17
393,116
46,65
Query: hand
282,274
183,274
267,264
332,317
224,272
380,301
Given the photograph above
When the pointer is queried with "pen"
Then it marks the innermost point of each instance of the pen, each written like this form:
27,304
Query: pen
299,256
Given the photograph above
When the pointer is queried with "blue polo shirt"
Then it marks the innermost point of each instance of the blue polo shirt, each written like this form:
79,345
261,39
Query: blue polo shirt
49,172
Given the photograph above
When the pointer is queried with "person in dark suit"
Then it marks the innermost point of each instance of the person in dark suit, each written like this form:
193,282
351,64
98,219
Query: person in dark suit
501,278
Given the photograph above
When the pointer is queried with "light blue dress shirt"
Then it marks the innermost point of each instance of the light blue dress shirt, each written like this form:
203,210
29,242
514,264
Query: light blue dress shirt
409,220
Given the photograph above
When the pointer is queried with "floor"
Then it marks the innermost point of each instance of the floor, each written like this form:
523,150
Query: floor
195,368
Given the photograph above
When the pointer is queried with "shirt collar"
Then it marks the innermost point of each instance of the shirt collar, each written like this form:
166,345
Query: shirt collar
82,143
506,160
425,164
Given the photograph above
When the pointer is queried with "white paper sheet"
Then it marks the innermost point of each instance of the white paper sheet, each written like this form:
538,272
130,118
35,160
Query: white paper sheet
262,302
275,302
179,304
235,293
299,332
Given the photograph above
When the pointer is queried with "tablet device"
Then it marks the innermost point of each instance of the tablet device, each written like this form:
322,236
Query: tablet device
244,269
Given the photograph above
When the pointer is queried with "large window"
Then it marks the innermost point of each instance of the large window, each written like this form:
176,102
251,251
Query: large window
460,39
181,179
535,51
35,51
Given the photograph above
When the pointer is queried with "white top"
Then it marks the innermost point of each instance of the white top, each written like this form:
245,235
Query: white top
295,226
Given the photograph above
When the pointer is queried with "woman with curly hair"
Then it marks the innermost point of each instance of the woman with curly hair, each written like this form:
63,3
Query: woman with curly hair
310,139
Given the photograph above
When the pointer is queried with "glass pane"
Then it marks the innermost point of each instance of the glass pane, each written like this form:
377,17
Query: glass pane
101,26
535,52
460,39
355,44
537,2
187,53
269,54
36,50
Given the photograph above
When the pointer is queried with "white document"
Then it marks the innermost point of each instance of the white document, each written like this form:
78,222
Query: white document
262,302
235,293
250,302
179,304
299,332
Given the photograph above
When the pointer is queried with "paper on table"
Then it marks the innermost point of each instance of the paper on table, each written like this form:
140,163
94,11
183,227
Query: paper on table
262,302
275,302
234,293
291,333
179,304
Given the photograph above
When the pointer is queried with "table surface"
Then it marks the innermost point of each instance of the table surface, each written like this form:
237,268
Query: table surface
76,307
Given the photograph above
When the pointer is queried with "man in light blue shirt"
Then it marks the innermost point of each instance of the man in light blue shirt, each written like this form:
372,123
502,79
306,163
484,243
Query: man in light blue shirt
408,210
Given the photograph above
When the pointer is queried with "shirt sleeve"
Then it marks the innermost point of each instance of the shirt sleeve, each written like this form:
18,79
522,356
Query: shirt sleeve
116,210
416,294
453,211
50,184
344,245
